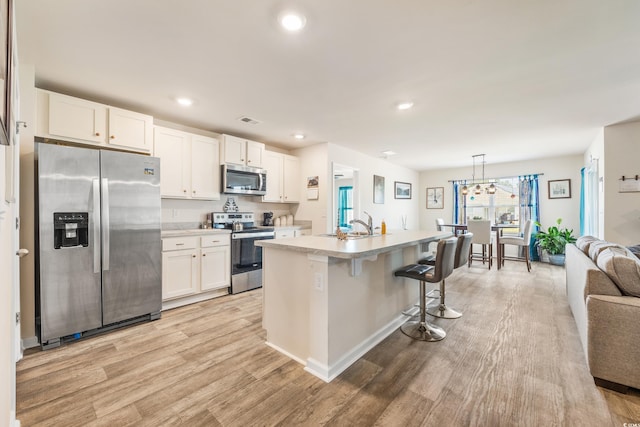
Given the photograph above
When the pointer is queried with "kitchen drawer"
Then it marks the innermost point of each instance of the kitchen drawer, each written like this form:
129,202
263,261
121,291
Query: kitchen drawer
178,243
215,240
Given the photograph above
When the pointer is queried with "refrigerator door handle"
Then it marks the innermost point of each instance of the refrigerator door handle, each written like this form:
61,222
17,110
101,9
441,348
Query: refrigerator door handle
96,226
105,224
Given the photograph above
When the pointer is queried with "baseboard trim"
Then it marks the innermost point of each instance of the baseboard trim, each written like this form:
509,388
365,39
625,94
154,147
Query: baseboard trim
285,352
13,422
29,342
329,372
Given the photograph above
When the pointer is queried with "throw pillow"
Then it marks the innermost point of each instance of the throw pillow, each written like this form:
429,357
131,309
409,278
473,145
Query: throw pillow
622,268
635,250
596,247
584,242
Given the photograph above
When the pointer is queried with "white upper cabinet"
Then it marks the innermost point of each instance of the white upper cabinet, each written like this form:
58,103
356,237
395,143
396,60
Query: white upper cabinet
75,118
240,151
189,164
291,179
172,147
255,151
273,165
130,129
205,168
78,120
283,178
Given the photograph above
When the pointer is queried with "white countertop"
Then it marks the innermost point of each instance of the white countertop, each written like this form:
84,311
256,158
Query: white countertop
194,232
353,248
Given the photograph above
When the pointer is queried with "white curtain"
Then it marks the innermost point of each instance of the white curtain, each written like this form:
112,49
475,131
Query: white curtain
589,225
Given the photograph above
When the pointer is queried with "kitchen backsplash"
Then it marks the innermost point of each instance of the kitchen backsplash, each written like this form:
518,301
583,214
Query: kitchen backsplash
194,212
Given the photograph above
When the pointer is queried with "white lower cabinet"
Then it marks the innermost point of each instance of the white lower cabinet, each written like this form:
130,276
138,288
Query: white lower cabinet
215,264
195,268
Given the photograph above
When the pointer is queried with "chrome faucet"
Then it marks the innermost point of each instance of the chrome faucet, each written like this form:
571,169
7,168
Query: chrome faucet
368,225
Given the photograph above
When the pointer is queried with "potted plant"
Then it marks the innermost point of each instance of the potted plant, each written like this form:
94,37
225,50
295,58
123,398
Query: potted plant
554,241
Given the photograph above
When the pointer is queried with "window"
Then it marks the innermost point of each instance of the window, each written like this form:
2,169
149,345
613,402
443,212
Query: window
514,202
345,206
502,207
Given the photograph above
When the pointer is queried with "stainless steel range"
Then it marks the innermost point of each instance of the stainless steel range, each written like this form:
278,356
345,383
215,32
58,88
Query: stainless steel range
246,257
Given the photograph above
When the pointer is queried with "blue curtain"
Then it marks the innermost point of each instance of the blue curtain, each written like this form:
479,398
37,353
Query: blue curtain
456,205
345,196
530,207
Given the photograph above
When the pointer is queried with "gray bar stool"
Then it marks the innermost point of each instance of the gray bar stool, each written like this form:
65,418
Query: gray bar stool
443,267
462,255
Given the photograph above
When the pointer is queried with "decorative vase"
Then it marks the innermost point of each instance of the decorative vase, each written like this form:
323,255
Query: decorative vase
543,255
557,259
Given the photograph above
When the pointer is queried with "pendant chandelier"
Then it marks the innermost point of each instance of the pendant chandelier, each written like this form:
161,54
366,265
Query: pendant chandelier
477,189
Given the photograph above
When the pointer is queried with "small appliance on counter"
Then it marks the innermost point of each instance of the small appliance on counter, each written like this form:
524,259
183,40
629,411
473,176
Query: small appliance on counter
268,219
246,257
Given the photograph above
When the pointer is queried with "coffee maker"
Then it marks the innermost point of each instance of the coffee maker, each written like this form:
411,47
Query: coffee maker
268,219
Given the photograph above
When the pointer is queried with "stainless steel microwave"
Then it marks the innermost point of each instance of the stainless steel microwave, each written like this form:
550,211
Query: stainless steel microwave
237,179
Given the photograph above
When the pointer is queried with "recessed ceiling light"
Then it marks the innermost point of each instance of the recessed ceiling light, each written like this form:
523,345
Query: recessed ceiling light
405,105
298,135
184,101
292,21
388,153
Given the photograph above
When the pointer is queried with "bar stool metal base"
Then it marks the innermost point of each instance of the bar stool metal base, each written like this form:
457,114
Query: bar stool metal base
443,311
422,331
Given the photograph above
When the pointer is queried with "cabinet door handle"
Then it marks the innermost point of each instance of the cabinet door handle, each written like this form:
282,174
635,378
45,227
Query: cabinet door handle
97,133
184,191
112,137
194,191
179,244
194,256
204,254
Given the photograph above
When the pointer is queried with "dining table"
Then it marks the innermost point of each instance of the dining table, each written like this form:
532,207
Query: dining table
498,228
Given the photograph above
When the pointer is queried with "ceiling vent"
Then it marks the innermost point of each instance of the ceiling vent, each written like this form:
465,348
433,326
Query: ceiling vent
249,120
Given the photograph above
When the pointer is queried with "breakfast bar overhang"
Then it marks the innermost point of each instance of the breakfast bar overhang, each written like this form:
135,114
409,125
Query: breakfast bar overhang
326,302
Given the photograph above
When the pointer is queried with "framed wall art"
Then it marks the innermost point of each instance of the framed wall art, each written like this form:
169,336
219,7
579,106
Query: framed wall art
378,189
559,189
402,190
435,197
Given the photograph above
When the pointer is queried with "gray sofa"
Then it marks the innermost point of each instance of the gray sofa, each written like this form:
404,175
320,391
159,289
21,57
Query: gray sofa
603,289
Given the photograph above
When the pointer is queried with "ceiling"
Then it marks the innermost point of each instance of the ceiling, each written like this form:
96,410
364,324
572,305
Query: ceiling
512,79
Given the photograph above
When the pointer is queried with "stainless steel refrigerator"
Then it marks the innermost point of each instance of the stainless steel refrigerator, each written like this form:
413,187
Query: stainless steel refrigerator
99,252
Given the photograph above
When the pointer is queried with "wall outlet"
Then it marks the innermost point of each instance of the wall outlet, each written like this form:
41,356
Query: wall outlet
318,282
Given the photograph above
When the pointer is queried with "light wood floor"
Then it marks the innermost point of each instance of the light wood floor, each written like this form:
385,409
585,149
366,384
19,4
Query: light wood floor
513,359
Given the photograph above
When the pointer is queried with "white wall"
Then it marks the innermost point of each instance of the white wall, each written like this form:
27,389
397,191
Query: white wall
393,209
622,157
314,162
553,168
317,160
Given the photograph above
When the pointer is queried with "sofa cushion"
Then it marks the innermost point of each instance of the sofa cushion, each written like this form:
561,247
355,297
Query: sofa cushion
622,268
584,242
598,246
635,250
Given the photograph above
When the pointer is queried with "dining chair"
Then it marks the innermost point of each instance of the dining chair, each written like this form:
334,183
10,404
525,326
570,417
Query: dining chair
481,230
439,224
522,242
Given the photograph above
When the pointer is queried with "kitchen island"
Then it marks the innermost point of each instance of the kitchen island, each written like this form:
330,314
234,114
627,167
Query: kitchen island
327,302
